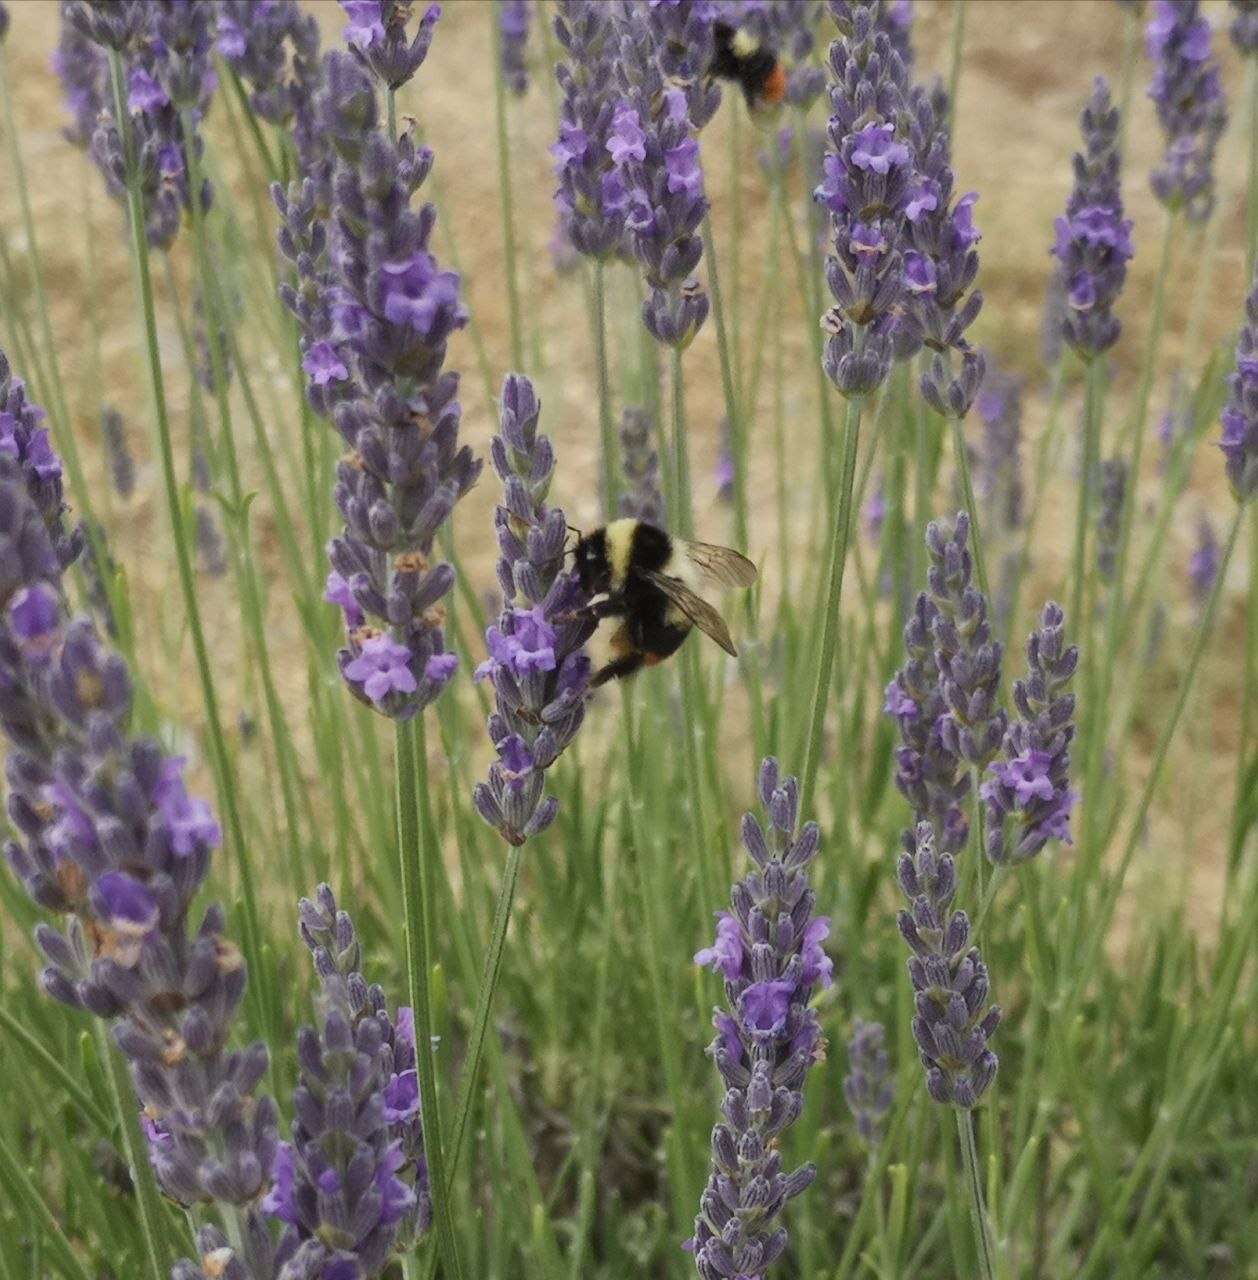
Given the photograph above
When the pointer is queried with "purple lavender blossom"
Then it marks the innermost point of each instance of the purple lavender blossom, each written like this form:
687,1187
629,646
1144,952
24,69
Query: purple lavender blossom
117,452
339,1188
590,196
1203,565
376,32
1027,796
274,48
1244,27
83,69
998,471
1093,243
866,184
1109,523
656,164
682,35
1188,94
106,834
769,953
642,498
968,660
868,1086
953,1022
376,312
1239,441
536,661
4,21
514,20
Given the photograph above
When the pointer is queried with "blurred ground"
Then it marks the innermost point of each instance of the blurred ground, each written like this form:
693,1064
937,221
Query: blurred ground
1027,70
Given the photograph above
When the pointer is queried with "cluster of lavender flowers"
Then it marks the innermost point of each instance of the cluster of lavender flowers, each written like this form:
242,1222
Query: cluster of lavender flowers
536,661
868,1086
351,1185
1028,797
106,835
376,312
165,52
953,1022
1240,415
590,196
867,180
642,498
1093,243
514,20
1188,93
769,951
655,157
376,32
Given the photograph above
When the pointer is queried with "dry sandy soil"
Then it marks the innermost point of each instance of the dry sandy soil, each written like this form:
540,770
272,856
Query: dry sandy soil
1028,67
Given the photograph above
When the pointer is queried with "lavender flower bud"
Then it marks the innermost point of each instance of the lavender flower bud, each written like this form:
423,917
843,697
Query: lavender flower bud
1093,242
1188,94
514,19
536,660
376,32
953,1020
769,951
868,1086
1239,441
106,834
590,196
866,182
274,49
1244,26
655,158
117,452
1203,566
1110,520
642,498
1027,796
682,34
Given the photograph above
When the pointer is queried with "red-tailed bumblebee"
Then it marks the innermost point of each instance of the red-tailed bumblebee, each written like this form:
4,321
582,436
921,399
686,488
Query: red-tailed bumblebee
743,57
650,581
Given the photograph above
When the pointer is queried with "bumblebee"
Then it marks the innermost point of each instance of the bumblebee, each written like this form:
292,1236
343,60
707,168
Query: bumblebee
741,56
650,582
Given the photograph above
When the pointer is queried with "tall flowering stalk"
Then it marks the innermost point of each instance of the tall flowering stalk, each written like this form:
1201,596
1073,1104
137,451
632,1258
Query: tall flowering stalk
642,498
536,661
1028,797
769,951
106,835
514,19
1188,93
377,311
351,1185
1110,517
999,483
868,1085
1239,440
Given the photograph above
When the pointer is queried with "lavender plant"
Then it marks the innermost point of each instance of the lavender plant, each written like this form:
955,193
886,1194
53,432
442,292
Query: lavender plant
769,951
1203,564
642,497
376,31
868,1086
536,661
1110,517
1240,415
514,19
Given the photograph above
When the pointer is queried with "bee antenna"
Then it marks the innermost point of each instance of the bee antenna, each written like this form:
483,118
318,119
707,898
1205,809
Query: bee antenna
573,529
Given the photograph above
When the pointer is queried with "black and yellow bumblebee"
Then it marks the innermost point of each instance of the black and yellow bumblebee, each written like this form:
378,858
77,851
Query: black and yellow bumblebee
740,55
650,581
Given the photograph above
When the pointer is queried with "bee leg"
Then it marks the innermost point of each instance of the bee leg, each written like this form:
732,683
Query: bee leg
595,611
617,669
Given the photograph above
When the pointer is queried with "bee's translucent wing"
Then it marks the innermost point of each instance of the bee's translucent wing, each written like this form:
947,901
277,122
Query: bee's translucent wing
697,610
720,565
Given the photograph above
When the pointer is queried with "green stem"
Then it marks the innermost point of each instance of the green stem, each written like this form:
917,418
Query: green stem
840,533
25,1196
1251,209
1127,77
971,507
1083,512
978,1214
504,188
1153,343
954,69
411,768
606,422
135,1151
1242,806
224,784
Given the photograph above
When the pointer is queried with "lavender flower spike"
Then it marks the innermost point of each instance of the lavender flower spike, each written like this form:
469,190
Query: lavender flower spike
1093,243
869,1087
1244,27
106,835
769,951
1110,519
682,32
642,498
1028,797
953,1021
376,312
376,32
536,662
1240,415
514,19
867,178
341,1185
591,195
656,159
1203,565
1188,93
